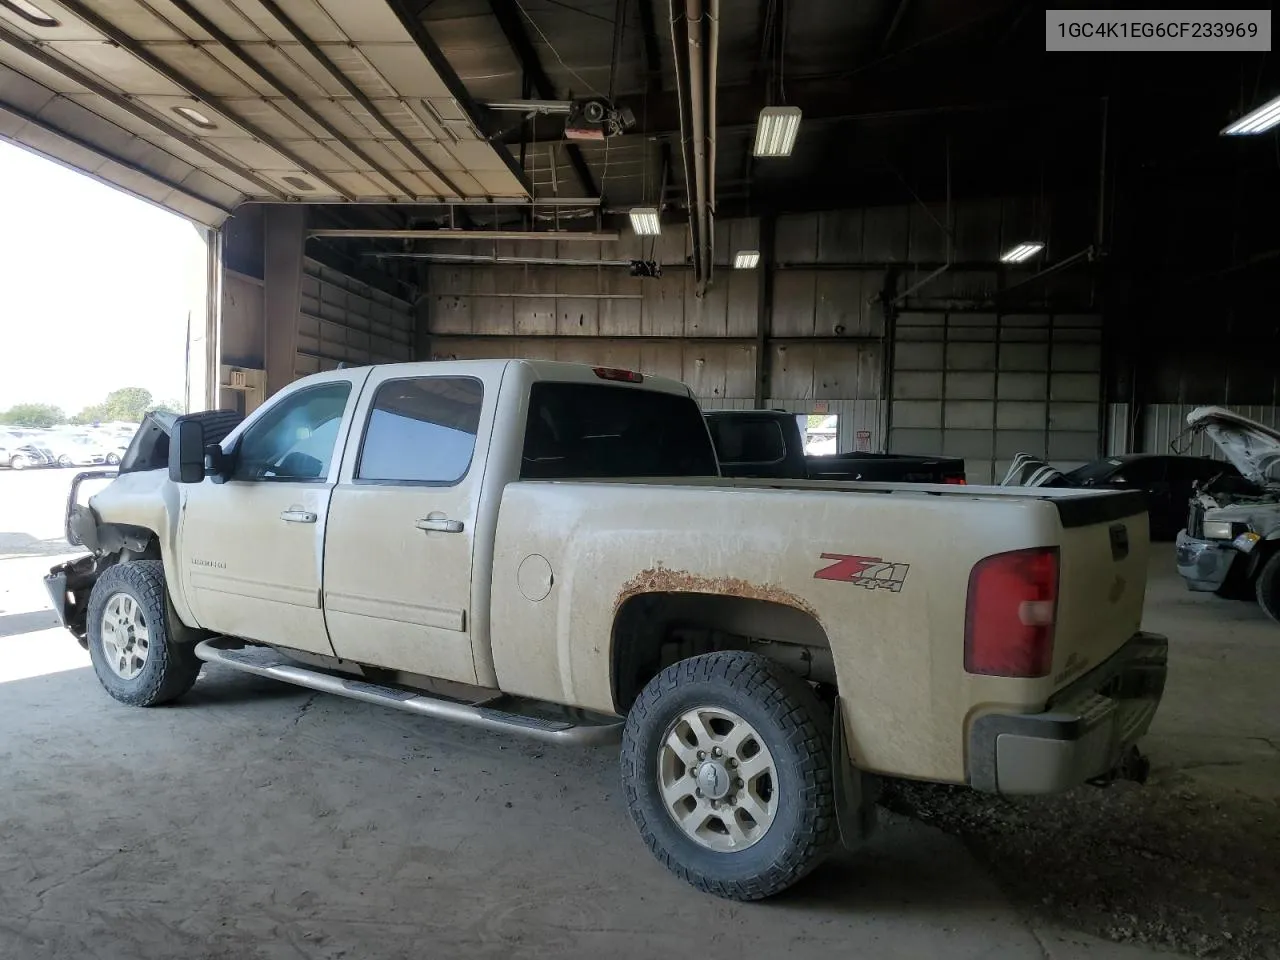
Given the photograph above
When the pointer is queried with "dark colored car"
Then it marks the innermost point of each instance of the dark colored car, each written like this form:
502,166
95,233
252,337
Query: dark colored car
768,444
1167,480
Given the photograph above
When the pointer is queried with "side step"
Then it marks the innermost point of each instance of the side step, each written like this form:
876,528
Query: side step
541,721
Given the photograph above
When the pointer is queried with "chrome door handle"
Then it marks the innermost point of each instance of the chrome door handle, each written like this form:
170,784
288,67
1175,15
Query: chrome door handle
298,516
440,524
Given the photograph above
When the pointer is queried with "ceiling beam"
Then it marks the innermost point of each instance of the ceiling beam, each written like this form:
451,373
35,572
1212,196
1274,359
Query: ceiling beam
136,110
231,46
880,94
126,42
357,94
103,154
509,19
476,113
446,234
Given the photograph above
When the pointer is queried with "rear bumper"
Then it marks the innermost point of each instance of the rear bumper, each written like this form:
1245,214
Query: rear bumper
1085,732
1204,564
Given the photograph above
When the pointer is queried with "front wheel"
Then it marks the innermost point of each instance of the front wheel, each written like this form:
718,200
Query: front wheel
1268,587
112,459
131,633
727,771
19,462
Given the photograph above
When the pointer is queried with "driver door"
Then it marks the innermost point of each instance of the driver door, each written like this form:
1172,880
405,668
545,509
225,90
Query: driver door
251,547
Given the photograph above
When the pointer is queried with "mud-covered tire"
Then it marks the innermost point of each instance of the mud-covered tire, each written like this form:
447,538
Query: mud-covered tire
1267,587
171,667
794,727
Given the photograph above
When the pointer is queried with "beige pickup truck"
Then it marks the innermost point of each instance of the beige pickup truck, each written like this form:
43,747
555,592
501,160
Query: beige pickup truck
548,548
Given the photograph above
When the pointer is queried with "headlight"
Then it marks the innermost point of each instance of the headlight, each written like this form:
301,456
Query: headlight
1222,529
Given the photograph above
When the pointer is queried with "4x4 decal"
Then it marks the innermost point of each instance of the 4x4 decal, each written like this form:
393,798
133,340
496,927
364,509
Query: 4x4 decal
869,572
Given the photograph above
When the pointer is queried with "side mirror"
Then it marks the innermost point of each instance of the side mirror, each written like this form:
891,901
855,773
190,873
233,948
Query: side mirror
186,452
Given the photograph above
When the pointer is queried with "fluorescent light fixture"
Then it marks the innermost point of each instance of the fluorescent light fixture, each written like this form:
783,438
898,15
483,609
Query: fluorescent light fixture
1023,251
776,131
746,259
644,221
1259,121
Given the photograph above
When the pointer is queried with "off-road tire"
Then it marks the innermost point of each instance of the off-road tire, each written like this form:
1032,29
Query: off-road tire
1268,587
171,666
795,727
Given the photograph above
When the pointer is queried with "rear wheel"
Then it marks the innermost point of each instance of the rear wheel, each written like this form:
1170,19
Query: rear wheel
112,459
19,461
64,461
132,637
726,765
1268,587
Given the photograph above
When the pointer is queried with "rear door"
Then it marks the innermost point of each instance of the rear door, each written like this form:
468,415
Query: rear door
401,535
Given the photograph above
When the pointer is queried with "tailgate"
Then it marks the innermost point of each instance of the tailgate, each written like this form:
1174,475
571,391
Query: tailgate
1102,580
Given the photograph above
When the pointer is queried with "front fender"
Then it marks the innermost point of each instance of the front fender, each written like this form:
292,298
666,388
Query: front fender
134,508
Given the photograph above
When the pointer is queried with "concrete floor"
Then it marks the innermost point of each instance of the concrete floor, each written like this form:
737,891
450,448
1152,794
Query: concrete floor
255,820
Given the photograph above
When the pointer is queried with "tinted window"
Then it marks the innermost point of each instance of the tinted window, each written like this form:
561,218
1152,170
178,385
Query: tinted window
742,440
578,430
422,430
295,439
1096,471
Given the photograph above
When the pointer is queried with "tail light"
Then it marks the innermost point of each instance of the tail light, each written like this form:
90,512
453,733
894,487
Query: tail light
958,480
1011,612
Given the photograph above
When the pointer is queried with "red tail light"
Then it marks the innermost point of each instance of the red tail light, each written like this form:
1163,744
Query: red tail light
960,481
1011,612
625,376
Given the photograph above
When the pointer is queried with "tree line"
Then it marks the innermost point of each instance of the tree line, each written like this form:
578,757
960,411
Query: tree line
128,404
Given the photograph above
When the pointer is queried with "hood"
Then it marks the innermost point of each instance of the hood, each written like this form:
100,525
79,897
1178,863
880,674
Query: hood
1253,447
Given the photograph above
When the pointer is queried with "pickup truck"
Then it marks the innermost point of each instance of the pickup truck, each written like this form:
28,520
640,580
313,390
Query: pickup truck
767,443
548,548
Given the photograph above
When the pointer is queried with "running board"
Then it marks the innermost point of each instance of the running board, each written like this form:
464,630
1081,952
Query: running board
532,718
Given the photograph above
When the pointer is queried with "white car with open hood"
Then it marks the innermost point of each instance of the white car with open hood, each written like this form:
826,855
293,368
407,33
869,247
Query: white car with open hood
549,549
1231,545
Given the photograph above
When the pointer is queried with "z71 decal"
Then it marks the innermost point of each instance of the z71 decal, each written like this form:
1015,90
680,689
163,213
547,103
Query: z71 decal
869,572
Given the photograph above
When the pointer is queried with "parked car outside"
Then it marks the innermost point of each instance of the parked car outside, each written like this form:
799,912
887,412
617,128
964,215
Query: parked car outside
1169,482
69,450
18,453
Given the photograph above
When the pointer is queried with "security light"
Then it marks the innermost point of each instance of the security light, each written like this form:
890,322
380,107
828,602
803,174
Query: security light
746,259
644,221
776,131
1023,251
1258,121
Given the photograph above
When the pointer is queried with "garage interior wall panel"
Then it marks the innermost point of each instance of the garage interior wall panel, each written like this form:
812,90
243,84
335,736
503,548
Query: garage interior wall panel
1163,427
986,387
342,319
968,383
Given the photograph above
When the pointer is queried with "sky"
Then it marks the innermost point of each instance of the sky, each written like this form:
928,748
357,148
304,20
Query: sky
95,286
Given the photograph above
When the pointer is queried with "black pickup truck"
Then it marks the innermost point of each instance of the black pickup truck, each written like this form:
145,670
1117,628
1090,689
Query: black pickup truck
768,444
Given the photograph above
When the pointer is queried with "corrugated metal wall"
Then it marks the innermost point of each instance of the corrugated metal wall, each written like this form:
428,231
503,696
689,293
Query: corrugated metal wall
343,319
988,386
1163,426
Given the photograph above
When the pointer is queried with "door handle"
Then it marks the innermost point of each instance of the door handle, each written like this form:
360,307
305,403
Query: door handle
298,516
440,524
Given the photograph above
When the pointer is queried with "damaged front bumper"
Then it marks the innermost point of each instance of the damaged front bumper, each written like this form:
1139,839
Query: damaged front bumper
69,585
1087,732
1206,564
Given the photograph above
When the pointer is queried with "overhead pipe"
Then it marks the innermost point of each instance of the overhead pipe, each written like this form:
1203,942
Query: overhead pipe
697,112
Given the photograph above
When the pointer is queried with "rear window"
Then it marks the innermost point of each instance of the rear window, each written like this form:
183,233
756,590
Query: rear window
748,441
581,431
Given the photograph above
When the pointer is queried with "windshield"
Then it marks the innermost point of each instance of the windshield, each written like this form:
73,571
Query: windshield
578,431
